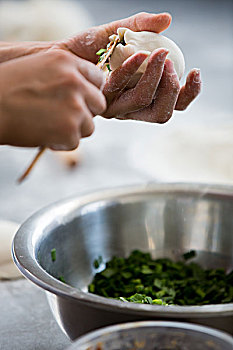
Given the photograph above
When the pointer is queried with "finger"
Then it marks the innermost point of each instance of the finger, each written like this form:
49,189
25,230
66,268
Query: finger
83,126
94,98
141,21
143,93
88,126
86,44
119,79
190,90
68,144
160,111
92,73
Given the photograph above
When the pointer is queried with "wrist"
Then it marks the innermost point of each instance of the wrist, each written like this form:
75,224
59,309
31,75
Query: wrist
9,51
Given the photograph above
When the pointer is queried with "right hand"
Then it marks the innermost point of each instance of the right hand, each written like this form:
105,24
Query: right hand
158,92
49,99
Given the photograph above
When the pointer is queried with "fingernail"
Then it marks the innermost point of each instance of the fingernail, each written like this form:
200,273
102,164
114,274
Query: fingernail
197,76
161,57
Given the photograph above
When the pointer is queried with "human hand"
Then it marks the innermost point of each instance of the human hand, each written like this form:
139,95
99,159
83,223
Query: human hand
49,99
158,92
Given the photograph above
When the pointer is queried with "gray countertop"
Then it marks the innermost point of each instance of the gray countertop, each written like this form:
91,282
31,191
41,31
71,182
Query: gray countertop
204,31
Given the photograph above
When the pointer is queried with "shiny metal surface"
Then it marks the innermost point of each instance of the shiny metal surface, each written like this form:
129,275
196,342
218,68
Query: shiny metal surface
164,219
151,335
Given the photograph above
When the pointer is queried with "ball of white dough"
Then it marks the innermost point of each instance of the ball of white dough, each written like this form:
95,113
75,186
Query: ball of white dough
146,42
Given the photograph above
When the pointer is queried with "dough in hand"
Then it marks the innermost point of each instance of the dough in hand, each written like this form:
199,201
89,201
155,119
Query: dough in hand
146,42
8,270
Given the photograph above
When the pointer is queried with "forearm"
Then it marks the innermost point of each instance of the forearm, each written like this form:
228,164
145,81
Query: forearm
9,51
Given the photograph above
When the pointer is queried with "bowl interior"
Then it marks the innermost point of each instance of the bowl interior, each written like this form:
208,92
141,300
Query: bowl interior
164,223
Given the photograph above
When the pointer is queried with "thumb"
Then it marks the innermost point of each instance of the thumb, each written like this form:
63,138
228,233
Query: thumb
87,43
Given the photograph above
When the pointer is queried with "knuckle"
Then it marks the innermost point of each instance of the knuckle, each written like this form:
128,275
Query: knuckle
60,55
138,17
173,84
93,69
71,79
143,101
90,70
76,104
70,127
176,86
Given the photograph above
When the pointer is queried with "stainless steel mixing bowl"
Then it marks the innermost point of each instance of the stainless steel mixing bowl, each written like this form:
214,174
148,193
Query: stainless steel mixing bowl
154,335
163,219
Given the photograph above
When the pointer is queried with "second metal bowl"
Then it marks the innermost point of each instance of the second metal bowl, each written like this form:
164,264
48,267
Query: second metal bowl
153,335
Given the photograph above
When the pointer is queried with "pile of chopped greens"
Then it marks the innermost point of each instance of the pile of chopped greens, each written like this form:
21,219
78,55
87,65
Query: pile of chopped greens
140,279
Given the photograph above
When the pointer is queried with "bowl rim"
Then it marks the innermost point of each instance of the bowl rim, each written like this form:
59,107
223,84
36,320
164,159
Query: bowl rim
24,255
93,335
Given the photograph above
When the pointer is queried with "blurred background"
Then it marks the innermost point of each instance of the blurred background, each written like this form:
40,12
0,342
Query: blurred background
196,145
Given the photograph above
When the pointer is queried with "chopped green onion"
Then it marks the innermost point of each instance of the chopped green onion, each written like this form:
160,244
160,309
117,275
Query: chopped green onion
141,279
108,66
53,254
98,262
100,52
189,255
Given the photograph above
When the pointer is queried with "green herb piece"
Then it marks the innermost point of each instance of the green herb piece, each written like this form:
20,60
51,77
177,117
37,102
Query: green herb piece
53,254
100,52
62,279
158,302
107,273
122,42
142,299
108,66
126,274
98,262
91,288
189,255
146,270
141,279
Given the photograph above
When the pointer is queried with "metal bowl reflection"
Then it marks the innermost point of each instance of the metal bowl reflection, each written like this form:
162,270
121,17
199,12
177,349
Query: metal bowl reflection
163,219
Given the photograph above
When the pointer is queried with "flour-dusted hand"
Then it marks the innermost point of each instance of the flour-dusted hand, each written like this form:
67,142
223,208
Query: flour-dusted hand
158,92
87,43
49,99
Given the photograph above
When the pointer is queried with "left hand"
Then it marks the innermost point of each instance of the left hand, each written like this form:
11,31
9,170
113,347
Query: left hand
157,93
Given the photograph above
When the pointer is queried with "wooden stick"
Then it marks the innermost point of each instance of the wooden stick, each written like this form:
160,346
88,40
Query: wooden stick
100,64
34,161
